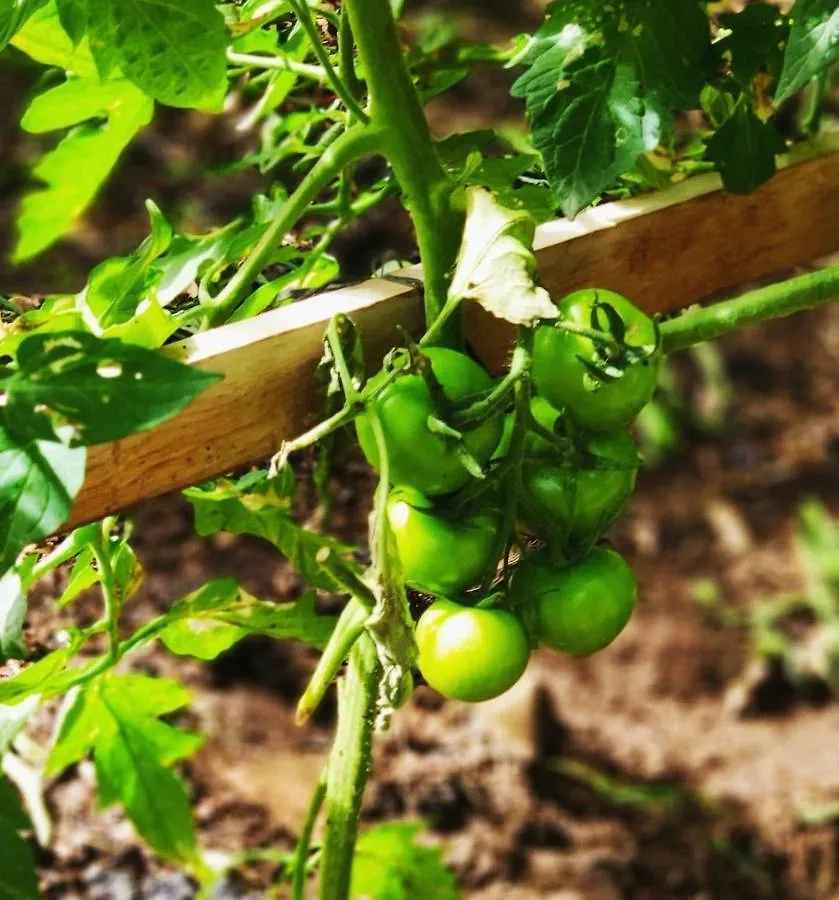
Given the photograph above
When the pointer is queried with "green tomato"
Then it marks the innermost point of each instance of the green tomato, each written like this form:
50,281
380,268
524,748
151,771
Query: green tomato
581,495
579,609
572,492
440,554
418,457
562,361
470,654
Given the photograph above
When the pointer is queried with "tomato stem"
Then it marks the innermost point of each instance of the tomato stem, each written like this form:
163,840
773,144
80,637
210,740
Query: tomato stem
705,323
405,139
301,852
352,144
498,397
348,767
343,91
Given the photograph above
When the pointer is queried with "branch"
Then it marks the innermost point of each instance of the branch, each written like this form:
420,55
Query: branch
705,323
351,145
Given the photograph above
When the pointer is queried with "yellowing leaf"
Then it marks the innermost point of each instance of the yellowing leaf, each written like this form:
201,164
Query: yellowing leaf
496,266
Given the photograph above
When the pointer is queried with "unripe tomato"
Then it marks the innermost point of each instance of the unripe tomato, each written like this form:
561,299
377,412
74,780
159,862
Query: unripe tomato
440,554
470,654
418,457
562,362
575,489
583,493
579,609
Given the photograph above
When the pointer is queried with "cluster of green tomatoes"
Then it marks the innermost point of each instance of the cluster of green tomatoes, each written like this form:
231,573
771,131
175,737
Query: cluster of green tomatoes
513,558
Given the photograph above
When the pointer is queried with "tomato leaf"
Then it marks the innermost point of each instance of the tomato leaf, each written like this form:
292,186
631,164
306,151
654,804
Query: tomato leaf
70,185
390,865
18,877
116,285
754,41
38,482
219,614
601,86
73,17
13,16
322,561
813,44
744,149
105,388
173,50
37,678
496,266
116,718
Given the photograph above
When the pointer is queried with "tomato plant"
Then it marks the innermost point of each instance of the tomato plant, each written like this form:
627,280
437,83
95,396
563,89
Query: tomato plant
318,90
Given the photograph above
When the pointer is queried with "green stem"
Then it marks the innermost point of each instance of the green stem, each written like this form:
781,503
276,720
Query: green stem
498,397
346,60
306,70
812,115
351,145
348,630
349,767
304,16
301,853
705,323
110,596
406,142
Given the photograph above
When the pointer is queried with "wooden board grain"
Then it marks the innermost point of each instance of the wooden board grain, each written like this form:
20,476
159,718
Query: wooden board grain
664,251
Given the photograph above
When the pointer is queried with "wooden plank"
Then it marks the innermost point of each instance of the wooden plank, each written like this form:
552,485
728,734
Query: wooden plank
664,251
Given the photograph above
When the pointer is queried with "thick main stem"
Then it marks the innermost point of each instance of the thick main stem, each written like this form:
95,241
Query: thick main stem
349,767
704,323
396,111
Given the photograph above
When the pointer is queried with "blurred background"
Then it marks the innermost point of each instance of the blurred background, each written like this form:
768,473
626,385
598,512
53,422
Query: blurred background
695,758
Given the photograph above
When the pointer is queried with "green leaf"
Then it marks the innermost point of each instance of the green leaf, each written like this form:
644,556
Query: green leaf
38,482
74,101
76,732
13,16
129,768
75,170
496,266
83,575
813,44
106,388
173,50
35,678
12,614
117,718
744,150
18,876
73,17
390,865
601,85
321,560
754,41
213,618
116,286
44,39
